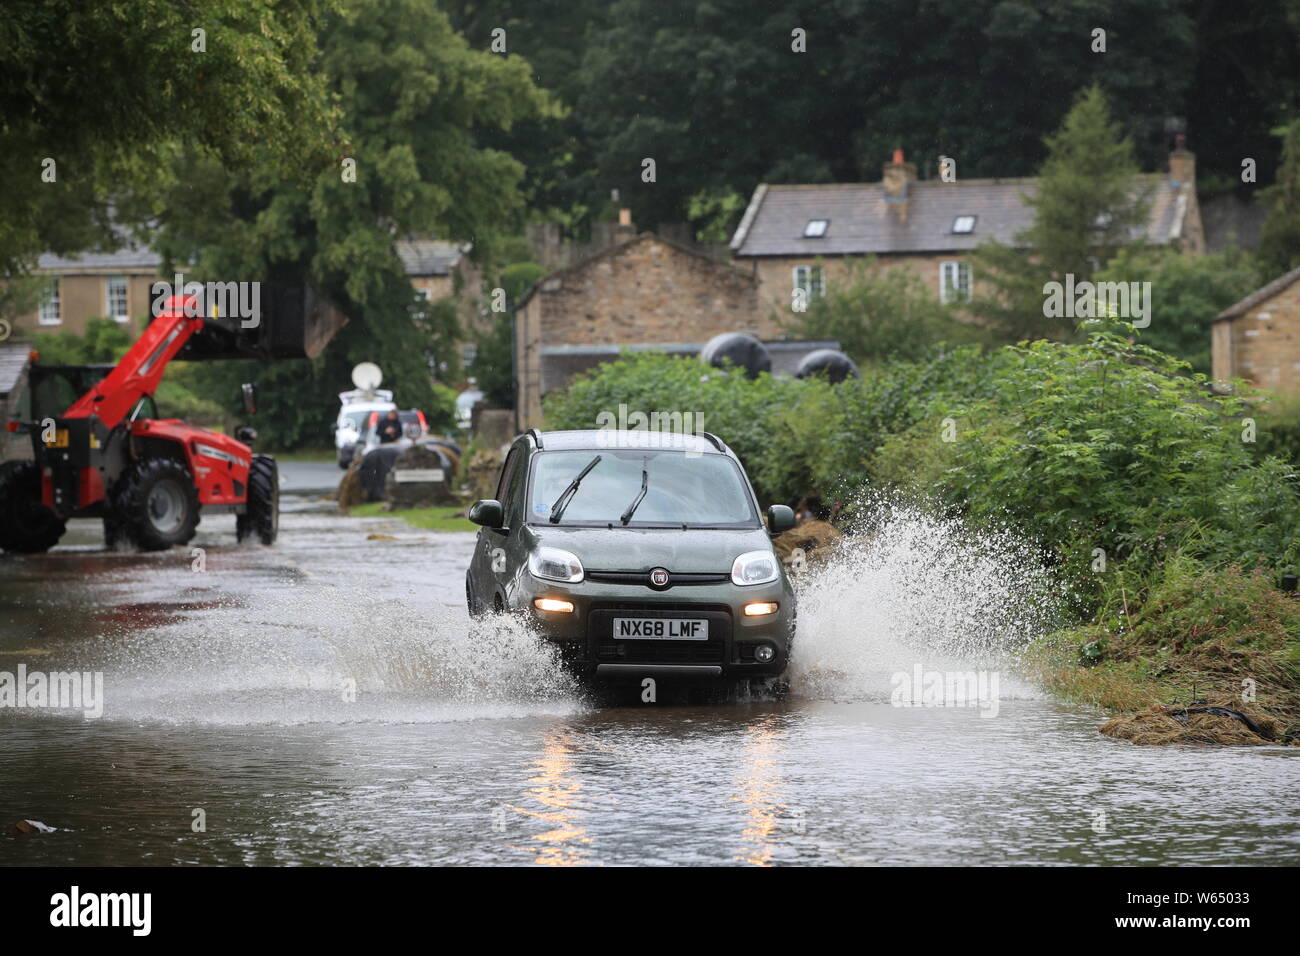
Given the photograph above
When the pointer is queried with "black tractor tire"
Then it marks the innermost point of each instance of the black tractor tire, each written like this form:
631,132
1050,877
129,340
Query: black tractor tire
26,525
155,504
262,518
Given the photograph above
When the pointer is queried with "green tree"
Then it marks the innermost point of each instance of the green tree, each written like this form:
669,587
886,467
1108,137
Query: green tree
1186,293
716,95
1086,207
106,91
414,99
1279,241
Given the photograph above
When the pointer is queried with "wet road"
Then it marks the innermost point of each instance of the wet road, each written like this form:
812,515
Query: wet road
324,701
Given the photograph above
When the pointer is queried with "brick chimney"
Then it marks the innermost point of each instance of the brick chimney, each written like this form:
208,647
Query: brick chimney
1182,162
896,179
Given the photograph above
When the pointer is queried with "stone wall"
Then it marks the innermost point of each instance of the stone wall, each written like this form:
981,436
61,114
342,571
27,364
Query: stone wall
1263,344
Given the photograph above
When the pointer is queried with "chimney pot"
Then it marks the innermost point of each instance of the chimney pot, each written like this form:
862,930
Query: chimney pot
896,180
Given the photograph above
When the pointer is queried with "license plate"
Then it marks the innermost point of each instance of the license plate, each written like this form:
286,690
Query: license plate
659,629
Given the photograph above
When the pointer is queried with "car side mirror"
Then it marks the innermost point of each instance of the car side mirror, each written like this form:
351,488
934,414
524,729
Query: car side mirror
780,518
250,398
488,513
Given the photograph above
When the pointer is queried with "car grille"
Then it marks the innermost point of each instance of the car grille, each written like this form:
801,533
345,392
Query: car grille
642,578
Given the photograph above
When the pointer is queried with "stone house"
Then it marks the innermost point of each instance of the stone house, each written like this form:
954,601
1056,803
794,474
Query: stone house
805,236
1258,338
112,285
643,293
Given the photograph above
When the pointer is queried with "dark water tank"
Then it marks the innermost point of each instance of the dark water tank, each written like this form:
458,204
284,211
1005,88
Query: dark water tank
832,363
741,349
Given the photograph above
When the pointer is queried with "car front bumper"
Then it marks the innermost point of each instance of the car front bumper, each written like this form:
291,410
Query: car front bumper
586,642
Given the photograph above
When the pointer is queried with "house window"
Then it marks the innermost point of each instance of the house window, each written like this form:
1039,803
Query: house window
816,228
468,353
49,314
963,224
809,278
115,298
954,281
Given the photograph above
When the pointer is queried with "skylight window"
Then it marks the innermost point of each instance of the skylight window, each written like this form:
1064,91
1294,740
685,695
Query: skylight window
816,228
963,224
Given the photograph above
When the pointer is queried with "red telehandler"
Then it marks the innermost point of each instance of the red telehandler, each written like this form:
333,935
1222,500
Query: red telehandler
108,454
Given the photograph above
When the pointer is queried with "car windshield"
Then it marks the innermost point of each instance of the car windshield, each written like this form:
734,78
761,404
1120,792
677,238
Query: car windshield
704,490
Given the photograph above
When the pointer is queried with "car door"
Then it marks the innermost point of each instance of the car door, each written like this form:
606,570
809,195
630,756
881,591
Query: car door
489,563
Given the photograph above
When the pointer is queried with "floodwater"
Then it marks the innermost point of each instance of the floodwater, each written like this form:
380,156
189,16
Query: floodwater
326,701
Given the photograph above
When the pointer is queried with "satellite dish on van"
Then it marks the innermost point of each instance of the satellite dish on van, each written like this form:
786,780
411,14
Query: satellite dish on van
366,376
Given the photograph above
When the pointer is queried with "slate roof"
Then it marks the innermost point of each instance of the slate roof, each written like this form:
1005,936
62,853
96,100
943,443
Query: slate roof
429,257
774,222
1259,296
129,258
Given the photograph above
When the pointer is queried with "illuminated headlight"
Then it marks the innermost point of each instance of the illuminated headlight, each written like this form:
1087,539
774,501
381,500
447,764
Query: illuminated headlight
552,564
755,567
553,604
759,608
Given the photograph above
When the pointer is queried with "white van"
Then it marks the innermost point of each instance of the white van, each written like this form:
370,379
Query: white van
354,412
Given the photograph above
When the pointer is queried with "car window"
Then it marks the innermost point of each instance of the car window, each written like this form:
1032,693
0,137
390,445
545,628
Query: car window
681,489
506,471
514,490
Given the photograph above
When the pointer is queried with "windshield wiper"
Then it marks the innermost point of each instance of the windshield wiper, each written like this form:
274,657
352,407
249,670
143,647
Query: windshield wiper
645,483
562,502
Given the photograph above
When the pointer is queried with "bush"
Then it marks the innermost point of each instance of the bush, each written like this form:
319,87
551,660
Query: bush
1111,445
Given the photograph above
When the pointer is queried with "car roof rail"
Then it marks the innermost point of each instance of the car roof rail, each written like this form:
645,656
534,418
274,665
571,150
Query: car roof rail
536,436
718,443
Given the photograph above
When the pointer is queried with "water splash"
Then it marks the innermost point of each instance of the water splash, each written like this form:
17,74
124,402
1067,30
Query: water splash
320,655
911,588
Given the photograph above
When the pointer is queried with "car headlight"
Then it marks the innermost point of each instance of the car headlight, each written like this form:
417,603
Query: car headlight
552,564
755,567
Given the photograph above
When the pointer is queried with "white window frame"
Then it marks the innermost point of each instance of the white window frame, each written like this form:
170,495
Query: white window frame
50,313
124,315
951,286
812,279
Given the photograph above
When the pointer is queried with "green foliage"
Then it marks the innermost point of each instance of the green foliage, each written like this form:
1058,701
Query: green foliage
1279,240
1110,445
714,213
106,90
415,102
104,342
883,314
1085,210
1278,433
1186,293
493,368
1106,444
20,295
